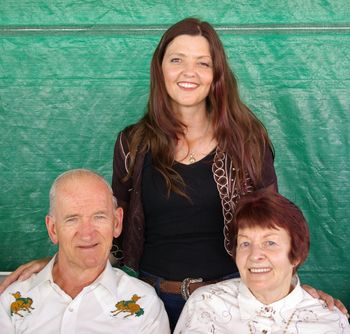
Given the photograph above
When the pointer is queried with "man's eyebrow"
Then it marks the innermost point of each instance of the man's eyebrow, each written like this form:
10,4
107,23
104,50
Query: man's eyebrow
101,212
73,215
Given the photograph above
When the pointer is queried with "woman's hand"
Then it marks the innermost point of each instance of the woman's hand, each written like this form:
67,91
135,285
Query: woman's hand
23,272
328,299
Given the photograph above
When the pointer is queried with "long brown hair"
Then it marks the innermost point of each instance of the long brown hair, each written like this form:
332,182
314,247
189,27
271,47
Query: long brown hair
238,132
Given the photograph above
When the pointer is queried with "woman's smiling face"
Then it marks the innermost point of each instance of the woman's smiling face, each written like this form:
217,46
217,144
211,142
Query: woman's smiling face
188,71
262,258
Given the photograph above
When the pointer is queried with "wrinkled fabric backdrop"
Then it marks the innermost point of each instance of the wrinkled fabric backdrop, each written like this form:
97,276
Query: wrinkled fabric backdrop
74,73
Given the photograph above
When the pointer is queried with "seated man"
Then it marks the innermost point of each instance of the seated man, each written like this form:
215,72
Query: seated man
78,291
270,240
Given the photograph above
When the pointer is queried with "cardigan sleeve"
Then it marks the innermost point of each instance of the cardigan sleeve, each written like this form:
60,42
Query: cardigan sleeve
121,187
121,191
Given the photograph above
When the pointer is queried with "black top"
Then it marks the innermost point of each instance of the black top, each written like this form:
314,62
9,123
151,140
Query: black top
184,238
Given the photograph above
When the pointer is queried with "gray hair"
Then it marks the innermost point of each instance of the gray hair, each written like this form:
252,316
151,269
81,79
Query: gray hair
75,173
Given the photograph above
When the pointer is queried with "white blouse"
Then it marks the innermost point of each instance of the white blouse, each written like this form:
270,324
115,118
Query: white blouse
229,307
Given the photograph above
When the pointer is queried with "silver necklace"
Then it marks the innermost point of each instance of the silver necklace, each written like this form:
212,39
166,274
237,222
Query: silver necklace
285,328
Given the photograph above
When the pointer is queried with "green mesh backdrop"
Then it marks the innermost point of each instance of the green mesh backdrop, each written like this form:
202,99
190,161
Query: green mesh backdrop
74,73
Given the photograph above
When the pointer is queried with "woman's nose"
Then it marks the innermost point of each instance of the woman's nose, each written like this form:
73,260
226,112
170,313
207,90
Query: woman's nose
256,253
189,69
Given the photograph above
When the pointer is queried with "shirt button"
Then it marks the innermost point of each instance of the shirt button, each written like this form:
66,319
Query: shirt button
71,309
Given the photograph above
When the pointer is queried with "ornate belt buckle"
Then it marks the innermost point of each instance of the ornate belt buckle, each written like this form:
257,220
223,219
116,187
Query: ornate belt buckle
185,286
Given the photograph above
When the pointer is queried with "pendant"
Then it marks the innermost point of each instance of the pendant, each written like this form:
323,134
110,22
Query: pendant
192,159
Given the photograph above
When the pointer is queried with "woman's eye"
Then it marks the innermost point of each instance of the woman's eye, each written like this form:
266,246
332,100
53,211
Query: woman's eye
205,64
269,243
175,60
244,244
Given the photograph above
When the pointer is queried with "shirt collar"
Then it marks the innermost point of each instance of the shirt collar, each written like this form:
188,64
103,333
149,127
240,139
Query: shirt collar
45,274
106,278
251,308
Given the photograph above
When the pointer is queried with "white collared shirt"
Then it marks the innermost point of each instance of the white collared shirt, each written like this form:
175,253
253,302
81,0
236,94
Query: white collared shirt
229,307
94,310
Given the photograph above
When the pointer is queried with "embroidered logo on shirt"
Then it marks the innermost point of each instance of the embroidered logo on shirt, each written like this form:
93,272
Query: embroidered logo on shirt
128,306
21,304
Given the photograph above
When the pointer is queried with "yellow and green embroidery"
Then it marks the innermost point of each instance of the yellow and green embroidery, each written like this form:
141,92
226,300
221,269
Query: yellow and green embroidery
21,304
128,306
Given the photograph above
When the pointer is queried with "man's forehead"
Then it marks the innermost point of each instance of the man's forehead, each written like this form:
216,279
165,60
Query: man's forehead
82,193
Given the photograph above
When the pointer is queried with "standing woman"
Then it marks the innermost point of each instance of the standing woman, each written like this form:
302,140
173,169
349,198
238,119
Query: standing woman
176,172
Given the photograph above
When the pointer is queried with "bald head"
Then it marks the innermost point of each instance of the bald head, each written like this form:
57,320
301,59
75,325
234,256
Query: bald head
76,175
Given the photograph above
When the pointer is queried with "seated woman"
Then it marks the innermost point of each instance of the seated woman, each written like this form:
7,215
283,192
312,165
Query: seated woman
270,240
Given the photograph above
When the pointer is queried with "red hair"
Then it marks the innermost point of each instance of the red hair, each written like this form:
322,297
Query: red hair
270,210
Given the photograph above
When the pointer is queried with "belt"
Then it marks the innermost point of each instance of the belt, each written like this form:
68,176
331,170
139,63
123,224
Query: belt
185,287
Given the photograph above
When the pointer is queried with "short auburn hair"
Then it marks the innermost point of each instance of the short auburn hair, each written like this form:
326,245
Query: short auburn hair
268,209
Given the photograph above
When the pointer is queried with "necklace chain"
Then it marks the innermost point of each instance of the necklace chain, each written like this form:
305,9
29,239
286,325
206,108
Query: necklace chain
285,329
191,158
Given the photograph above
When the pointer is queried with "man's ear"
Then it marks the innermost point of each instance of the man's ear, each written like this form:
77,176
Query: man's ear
118,222
51,228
